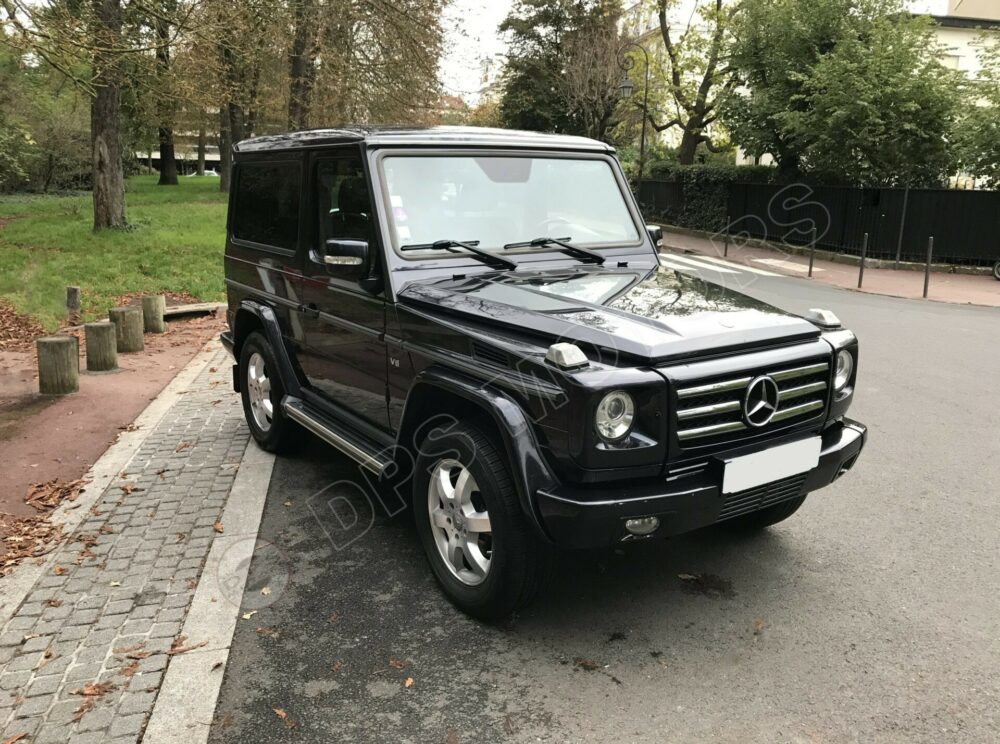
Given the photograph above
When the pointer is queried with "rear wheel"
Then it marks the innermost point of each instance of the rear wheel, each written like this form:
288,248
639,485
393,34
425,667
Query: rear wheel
481,547
996,271
262,391
762,518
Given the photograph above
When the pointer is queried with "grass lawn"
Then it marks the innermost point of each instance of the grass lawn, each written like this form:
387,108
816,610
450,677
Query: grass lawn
175,244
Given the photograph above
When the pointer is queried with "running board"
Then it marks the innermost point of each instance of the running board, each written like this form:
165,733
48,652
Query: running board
298,411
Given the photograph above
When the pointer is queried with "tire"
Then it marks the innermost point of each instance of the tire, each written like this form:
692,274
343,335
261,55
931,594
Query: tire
262,392
516,561
996,271
763,518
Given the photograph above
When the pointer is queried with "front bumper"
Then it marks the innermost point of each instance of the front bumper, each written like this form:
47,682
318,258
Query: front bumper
581,518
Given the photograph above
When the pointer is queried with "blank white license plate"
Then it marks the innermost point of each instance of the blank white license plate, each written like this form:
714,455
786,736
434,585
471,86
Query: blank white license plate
770,465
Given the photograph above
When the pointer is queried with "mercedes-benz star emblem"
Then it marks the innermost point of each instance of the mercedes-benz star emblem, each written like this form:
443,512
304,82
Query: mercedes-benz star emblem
761,401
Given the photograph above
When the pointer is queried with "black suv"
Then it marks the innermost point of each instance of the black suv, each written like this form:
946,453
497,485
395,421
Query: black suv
479,318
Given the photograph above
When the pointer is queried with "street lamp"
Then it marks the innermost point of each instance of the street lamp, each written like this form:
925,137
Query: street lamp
626,89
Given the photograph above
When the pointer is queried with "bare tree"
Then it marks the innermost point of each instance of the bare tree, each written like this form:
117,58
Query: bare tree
592,74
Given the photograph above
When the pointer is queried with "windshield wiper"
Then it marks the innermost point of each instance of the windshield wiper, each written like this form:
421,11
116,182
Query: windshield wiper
469,245
563,243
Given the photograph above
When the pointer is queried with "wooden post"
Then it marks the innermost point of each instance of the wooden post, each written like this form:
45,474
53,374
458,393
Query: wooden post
102,346
812,252
729,222
58,365
73,303
128,328
153,307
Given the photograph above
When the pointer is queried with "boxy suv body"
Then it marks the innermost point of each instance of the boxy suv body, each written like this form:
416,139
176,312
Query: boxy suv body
480,319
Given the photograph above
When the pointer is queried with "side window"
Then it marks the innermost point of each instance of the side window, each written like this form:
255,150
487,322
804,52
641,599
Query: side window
345,211
267,204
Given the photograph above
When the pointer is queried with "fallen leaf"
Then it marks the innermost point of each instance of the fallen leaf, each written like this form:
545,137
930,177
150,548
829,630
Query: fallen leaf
280,713
53,602
13,739
248,615
129,488
408,683
216,665
334,618
182,446
288,503
265,591
115,583
58,570
178,647
130,670
397,664
265,631
758,626
337,666
218,527
588,665
95,689
687,577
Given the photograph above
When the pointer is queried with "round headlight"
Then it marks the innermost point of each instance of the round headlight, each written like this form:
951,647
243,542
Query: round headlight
845,367
615,414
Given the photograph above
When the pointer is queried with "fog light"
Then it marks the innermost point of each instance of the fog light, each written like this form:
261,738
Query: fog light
643,526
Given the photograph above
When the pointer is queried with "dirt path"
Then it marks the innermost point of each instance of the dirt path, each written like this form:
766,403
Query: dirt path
43,439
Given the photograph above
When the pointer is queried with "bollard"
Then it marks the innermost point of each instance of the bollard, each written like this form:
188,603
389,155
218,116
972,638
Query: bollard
58,365
812,252
128,328
864,253
102,346
927,268
73,302
153,307
725,249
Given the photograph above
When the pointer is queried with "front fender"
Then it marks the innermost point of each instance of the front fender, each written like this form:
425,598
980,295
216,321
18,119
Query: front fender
528,467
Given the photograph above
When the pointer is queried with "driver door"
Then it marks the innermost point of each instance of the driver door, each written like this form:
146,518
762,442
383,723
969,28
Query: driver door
345,359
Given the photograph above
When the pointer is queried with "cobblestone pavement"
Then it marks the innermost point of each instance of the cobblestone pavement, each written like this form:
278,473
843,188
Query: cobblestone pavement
83,657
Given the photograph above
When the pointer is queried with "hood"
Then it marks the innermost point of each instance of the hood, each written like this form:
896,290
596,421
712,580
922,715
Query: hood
654,314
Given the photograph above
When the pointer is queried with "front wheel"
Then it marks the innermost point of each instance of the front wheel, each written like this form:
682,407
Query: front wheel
762,518
996,271
480,546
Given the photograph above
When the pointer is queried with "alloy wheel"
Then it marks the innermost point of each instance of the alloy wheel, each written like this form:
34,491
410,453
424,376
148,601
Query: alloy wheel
259,392
460,523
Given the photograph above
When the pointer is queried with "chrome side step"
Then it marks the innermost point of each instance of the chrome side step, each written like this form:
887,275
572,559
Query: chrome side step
296,410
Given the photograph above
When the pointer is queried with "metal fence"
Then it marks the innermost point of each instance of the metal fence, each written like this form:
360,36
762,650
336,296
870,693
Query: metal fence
965,224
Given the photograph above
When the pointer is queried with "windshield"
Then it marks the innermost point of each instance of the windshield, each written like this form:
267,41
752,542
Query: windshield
500,200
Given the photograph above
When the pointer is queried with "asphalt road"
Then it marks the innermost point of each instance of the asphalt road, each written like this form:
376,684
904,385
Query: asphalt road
872,615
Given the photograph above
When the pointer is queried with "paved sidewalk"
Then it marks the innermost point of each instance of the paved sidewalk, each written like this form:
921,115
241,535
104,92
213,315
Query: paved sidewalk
83,658
944,287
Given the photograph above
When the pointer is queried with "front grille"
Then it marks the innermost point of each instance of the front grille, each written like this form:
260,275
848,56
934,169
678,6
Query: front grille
710,412
744,502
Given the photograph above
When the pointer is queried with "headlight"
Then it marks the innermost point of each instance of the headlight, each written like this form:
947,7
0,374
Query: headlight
615,414
845,368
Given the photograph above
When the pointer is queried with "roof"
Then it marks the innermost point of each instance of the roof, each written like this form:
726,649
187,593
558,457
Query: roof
973,23
435,136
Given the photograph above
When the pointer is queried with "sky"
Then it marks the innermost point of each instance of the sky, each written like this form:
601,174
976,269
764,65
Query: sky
472,37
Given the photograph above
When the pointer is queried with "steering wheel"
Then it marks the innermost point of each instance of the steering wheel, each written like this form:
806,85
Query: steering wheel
548,226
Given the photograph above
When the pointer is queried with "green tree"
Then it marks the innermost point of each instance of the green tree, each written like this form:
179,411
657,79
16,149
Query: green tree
693,76
979,129
848,89
562,73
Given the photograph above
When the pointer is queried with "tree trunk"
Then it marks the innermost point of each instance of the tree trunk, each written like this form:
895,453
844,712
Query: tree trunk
688,148
301,67
105,123
225,149
202,143
168,162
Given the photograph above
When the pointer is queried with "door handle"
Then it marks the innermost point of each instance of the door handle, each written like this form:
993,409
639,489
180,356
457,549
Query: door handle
310,311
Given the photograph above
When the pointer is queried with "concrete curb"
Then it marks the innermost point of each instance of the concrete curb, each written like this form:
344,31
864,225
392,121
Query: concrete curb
16,585
185,704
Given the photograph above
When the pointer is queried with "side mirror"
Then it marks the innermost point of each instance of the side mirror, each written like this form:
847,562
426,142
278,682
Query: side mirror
655,234
346,254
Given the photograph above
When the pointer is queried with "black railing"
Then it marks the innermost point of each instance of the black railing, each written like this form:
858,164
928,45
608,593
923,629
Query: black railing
964,224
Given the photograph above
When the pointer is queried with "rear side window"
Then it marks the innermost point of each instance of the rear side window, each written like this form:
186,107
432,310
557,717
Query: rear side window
267,204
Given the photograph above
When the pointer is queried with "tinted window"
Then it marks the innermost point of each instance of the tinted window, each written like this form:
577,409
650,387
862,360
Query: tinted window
267,204
344,207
